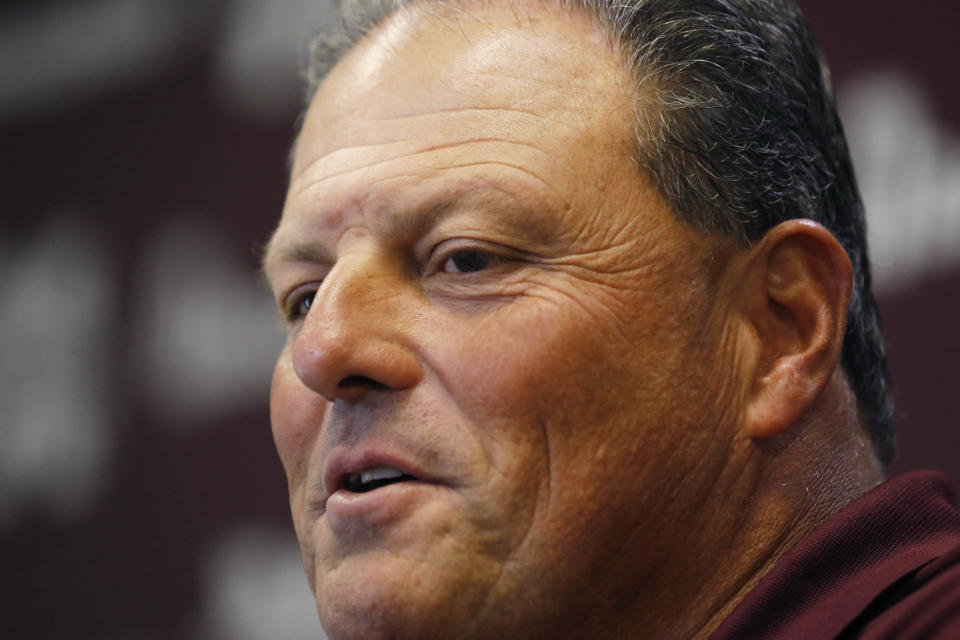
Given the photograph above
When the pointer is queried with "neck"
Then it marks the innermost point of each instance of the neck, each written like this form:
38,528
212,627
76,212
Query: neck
769,499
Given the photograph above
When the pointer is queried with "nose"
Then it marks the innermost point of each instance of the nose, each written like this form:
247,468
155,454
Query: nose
352,341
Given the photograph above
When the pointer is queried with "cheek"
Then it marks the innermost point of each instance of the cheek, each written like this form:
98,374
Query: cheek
543,359
501,369
574,387
296,416
526,382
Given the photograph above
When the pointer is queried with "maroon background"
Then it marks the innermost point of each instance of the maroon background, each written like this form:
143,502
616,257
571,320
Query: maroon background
161,144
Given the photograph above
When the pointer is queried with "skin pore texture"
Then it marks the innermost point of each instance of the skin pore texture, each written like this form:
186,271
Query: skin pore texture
611,418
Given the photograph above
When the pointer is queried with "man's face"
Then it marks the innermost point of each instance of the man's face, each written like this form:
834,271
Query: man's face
485,296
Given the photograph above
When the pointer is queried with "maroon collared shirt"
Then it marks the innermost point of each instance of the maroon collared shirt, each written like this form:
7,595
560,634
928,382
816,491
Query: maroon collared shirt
887,566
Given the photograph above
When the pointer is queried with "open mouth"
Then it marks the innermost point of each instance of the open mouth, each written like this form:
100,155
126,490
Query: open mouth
364,481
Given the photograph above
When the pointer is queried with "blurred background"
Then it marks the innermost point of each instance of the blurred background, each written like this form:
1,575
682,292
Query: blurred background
142,157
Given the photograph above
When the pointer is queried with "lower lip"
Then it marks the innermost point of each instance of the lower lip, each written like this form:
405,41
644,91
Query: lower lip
347,510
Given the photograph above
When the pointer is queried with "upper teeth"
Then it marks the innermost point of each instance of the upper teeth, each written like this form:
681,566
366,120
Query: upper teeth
379,473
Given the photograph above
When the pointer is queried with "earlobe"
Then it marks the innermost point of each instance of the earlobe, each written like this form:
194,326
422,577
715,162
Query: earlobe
795,297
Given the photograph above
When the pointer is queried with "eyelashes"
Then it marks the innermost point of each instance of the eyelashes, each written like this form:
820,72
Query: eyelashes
468,260
299,302
462,263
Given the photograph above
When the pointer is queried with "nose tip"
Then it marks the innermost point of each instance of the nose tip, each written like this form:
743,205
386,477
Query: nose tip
348,369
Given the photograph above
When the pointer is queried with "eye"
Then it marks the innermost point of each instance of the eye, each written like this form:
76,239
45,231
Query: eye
299,303
468,261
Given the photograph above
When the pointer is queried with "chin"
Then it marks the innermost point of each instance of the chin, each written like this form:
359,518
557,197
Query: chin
390,599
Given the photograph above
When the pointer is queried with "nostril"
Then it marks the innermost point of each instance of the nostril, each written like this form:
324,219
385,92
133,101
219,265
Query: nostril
363,382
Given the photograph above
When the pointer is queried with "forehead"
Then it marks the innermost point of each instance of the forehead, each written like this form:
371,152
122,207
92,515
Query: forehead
432,105
552,62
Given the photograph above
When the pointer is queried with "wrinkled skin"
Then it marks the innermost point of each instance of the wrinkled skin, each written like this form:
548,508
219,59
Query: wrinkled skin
480,283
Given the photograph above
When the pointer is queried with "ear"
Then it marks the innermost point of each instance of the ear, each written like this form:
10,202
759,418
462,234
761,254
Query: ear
794,296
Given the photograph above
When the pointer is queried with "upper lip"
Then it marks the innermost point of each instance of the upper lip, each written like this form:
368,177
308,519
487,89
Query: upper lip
343,461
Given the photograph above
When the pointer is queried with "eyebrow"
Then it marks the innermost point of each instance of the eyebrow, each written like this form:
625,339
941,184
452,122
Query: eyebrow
312,252
300,252
304,252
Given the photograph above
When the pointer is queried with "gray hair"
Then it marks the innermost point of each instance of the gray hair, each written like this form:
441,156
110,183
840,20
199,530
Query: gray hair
737,126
